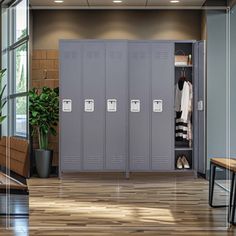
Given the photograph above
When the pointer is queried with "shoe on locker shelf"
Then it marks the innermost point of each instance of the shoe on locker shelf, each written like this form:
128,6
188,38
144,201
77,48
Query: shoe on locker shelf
179,163
185,162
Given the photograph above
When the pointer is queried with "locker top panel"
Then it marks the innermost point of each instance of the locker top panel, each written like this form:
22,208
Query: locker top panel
61,41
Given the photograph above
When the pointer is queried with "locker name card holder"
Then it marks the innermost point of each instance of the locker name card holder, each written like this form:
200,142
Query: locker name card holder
67,105
111,105
135,105
157,105
200,106
89,105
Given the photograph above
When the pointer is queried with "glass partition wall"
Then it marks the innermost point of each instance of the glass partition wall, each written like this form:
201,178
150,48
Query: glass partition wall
221,96
14,45
220,109
232,93
217,23
217,110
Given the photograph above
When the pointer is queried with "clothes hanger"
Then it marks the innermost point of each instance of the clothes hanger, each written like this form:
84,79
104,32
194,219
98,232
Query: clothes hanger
183,75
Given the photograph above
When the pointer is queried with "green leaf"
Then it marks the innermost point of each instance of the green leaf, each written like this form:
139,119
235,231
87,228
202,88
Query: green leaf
2,118
53,131
3,89
44,111
34,113
3,104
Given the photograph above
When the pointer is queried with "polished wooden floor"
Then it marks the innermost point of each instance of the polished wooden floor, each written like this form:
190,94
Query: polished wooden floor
108,204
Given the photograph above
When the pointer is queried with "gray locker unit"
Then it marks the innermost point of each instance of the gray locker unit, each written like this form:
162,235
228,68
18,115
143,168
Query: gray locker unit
139,93
195,153
117,105
93,73
116,118
71,122
162,130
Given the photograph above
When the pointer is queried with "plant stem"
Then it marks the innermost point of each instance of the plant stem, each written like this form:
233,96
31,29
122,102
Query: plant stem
43,139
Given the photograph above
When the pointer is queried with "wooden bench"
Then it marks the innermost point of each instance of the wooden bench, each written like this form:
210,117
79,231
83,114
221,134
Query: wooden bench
227,164
14,157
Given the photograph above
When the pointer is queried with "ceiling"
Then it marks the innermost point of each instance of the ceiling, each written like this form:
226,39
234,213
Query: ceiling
109,3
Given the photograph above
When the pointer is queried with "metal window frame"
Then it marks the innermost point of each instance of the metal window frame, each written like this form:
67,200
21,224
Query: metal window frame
13,45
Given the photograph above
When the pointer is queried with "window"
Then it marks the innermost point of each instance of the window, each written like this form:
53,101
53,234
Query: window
20,62
20,116
20,16
15,53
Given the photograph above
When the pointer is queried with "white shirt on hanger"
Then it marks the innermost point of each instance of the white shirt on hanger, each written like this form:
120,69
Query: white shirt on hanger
182,100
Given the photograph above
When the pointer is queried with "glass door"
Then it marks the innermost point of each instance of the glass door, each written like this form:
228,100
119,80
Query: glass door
14,200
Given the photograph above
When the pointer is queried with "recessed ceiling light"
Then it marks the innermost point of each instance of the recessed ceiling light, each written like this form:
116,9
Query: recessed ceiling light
58,1
174,1
117,1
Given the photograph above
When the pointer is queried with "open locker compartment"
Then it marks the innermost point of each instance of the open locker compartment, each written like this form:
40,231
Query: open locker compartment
184,128
194,71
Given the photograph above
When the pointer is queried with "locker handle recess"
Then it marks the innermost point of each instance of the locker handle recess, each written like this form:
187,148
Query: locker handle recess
67,105
157,105
135,105
89,105
112,105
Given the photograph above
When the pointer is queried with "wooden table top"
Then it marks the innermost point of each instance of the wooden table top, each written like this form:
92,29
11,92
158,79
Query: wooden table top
227,163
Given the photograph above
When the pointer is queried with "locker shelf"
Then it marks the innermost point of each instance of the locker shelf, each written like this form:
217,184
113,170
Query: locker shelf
179,66
183,149
184,170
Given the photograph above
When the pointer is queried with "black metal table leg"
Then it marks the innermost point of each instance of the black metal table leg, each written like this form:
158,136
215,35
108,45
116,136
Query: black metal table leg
231,196
232,202
211,183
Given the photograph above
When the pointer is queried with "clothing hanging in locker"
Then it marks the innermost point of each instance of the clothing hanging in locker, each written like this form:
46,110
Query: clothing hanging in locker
183,108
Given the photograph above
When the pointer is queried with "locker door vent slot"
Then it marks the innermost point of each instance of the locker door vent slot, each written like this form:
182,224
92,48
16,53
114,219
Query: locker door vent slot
71,163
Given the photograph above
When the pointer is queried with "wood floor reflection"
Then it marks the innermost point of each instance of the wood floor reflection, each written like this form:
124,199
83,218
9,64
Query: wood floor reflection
15,204
108,204
14,226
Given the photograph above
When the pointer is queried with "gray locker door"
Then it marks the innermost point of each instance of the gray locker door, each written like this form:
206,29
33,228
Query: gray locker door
70,122
116,121
94,88
199,130
139,89
162,130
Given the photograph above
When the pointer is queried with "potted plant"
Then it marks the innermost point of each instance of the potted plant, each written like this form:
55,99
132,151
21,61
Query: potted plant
43,119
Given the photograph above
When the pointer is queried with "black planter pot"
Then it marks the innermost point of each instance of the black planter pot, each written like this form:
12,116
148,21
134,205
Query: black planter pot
43,161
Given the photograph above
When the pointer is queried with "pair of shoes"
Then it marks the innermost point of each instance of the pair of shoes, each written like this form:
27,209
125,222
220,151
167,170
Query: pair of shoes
182,163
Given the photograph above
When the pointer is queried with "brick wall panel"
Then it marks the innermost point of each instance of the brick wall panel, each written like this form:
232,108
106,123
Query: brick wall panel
53,74
36,84
39,54
45,72
38,74
52,54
